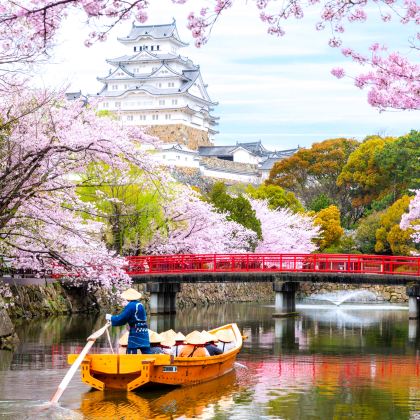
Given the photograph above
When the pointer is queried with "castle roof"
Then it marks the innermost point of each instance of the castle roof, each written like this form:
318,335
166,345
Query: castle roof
164,31
145,56
255,148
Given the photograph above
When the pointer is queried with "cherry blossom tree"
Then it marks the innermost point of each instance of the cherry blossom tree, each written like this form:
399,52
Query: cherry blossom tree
412,218
46,142
284,232
28,30
193,226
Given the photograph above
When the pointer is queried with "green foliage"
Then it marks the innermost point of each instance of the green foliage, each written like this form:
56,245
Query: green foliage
238,208
276,196
107,114
399,161
128,203
365,235
346,245
322,201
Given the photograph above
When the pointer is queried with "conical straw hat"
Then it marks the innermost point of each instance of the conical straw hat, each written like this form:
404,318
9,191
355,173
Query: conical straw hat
167,342
123,341
170,334
131,294
225,335
179,337
195,338
154,337
209,337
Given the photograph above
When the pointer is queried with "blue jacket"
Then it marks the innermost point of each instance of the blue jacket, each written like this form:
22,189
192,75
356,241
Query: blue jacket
135,316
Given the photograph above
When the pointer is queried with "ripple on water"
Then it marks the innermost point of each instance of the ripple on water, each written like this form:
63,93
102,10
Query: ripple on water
29,409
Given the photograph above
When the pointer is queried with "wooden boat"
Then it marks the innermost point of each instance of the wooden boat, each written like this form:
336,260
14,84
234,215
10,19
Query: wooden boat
131,371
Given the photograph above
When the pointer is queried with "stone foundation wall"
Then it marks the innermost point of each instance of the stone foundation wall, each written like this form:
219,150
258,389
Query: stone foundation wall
182,134
392,294
205,293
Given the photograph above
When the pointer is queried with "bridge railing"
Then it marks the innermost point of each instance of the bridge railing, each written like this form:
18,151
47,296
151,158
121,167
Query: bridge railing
325,263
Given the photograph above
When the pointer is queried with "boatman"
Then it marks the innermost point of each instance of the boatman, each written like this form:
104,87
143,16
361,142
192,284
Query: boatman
135,316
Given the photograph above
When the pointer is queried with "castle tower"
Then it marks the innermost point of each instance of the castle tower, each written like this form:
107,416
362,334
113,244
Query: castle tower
153,85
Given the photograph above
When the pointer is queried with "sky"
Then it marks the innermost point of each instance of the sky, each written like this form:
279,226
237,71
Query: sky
277,90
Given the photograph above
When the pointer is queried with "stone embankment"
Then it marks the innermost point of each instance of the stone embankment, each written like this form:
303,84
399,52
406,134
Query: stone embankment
390,294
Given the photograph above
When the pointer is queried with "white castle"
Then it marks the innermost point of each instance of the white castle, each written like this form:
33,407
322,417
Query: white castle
153,85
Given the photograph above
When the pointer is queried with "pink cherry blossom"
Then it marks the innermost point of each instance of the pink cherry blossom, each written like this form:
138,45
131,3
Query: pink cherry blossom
412,218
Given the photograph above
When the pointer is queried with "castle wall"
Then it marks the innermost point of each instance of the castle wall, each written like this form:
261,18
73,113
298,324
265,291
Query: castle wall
180,133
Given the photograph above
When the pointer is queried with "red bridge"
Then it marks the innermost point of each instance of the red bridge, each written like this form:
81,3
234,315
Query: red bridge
291,263
164,274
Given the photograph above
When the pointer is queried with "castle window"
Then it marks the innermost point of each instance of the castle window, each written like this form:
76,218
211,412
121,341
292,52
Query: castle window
159,84
104,105
167,116
161,101
174,101
140,48
129,118
135,49
157,47
155,117
142,117
152,47
164,156
145,47
117,104
171,84
114,87
136,70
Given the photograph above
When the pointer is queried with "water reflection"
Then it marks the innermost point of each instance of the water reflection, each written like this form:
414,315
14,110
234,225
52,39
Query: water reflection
202,400
347,362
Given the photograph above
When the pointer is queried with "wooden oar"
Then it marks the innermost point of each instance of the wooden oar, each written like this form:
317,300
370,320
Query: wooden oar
64,383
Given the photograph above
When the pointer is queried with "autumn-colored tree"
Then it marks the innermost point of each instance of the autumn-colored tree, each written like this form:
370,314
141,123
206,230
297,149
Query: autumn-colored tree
312,172
390,238
276,196
362,173
331,231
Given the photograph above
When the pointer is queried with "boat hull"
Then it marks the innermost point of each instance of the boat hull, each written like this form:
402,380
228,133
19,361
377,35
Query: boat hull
131,371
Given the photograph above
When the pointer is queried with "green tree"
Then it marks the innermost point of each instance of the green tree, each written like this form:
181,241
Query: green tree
322,201
365,235
311,173
276,196
238,208
129,204
399,161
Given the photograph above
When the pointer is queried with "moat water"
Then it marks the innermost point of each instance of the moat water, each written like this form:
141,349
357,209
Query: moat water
346,362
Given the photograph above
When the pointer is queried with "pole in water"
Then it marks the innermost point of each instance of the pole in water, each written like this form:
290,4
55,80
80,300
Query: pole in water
70,373
241,365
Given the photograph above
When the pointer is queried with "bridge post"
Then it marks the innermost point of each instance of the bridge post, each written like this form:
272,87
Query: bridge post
413,293
163,297
285,298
